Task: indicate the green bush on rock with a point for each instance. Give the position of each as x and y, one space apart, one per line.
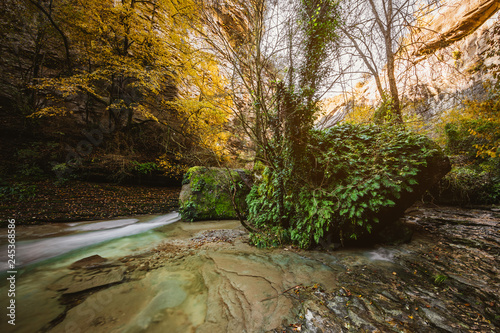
209 193
357 183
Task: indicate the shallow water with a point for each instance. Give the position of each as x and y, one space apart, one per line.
229 286
81 236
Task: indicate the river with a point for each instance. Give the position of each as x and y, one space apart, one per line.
158 274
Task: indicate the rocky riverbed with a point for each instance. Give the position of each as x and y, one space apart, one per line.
205 277
446 280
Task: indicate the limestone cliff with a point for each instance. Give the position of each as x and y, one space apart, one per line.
455 59
455 21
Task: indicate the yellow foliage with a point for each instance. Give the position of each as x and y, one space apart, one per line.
481 120
416 123
143 57
360 114
205 120
171 169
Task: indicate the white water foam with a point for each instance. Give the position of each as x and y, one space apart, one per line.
28 252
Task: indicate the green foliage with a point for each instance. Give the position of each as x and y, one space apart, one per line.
270 237
385 113
476 183
30 159
319 21
354 172
189 211
145 168
440 279
19 191
472 138
266 208
31 171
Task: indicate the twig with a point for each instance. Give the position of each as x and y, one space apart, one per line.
285 291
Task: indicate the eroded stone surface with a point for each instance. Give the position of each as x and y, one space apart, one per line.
454 21
446 280
454 60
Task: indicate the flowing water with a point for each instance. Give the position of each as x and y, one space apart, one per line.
81 235
164 275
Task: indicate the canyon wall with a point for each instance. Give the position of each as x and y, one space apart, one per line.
454 59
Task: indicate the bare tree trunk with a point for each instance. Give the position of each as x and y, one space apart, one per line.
59 30
386 29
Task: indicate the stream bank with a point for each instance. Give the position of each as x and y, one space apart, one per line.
447 279
47 201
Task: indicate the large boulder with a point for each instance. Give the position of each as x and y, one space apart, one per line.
209 193
357 184
394 230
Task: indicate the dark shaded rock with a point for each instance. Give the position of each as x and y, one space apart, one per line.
207 193
395 230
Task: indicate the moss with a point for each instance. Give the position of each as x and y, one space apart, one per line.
209 193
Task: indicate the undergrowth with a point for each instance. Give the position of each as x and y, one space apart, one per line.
351 173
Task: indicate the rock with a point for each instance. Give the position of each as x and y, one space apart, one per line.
244 289
89 262
222 235
88 279
451 24
454 59
338 306
91 281
206 193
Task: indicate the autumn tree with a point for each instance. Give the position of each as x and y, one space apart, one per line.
124 64
28 42
279 59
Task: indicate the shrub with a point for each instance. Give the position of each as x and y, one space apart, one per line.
145 168
355 173
17 191
472 138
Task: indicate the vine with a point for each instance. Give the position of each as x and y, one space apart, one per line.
355 171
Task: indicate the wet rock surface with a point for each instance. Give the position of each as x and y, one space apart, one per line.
87 279
447 279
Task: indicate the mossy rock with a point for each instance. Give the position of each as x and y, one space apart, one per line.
206 193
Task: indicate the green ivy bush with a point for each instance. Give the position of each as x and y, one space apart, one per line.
145 168
353 173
